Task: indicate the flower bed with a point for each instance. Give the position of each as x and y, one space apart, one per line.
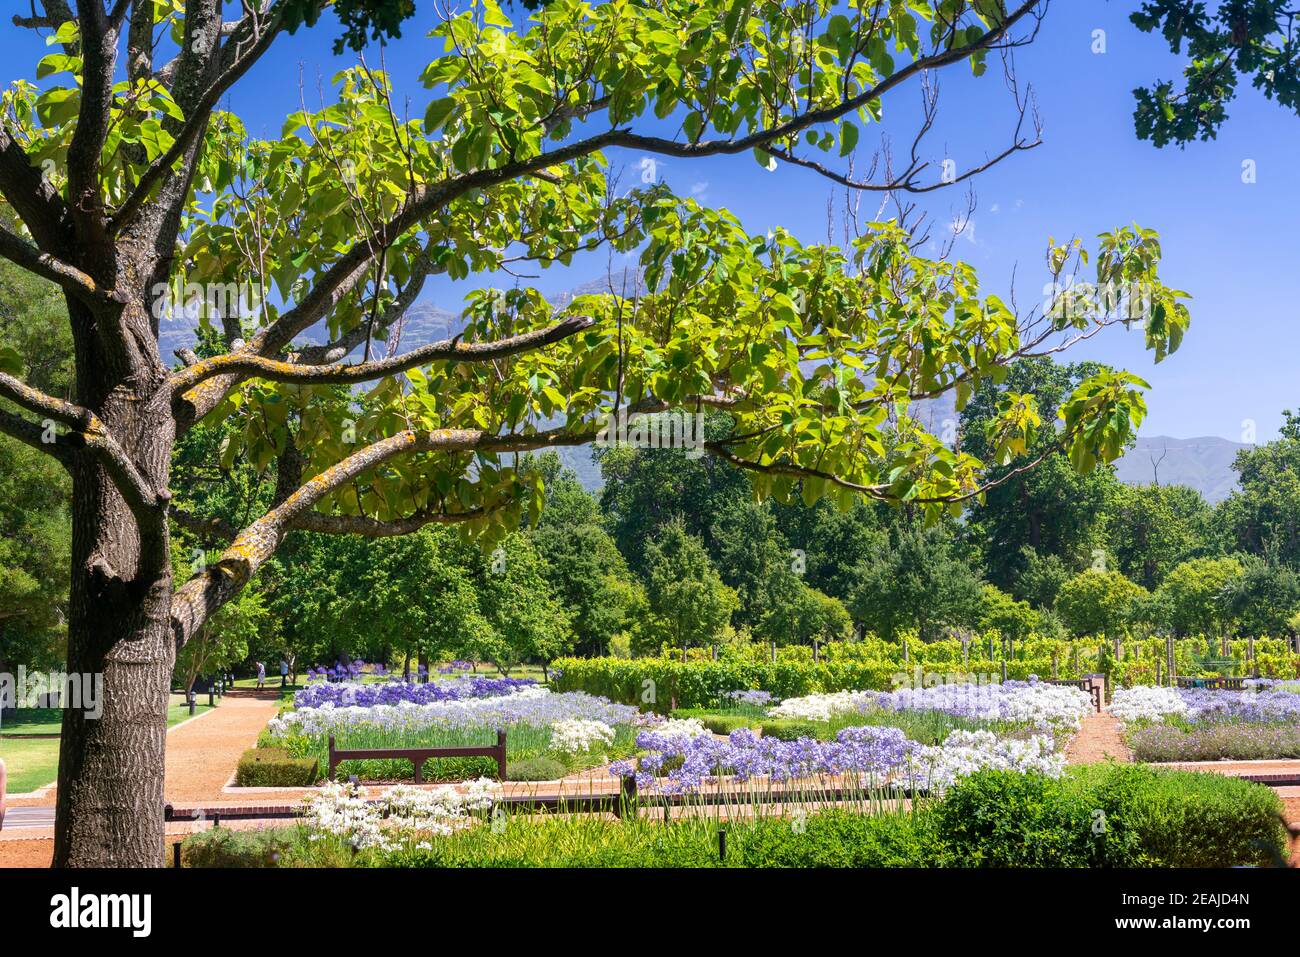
1197 724
864 759
355 694
992 818
1030 704
531 716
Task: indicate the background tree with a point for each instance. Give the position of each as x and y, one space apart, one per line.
1098 603
687 602
646 489
583 565
1152 528
415 596
834 541
1041 579
1262 516
998 610
805 616
35 539
754 559
1194 595
1263 598
152 188
919 583
527 620
1052 509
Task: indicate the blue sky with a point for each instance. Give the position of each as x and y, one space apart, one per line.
1230 244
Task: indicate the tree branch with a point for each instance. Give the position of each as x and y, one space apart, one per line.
71 279
34 435
451 350
32 196
340 278
88 432
195 124
34 400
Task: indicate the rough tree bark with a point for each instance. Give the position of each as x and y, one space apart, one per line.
110 787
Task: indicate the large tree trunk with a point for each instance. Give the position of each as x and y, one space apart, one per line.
110 787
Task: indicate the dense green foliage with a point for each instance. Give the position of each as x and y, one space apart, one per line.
1101 816
35 533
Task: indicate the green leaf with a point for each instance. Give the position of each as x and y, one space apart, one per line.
493 16
848 137
438 113
10 361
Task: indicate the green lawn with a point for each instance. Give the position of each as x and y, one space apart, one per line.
31 763
33 721
34 762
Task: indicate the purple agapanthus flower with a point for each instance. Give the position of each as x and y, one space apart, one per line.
350 694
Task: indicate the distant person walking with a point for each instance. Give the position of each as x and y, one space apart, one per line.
261 674
284 673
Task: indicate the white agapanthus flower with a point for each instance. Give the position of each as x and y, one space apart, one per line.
1047 707
682 728
578 736
965 752
337 809
823 707
1146 703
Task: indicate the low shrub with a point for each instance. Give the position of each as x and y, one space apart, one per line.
275 768
839 838
223 847
787 729
1009 819
726 723
535 769
1191 818
1111 815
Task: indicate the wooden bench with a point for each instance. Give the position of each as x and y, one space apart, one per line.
419 755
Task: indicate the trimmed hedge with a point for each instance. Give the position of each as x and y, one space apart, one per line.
275 768
788 729
1191 819
1111 815
535 769
1009 819
664 685
716 722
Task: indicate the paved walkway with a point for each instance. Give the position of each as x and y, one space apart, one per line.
202 754
201 758
1099 739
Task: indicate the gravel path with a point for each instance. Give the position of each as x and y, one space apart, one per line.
1098 739
202 754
